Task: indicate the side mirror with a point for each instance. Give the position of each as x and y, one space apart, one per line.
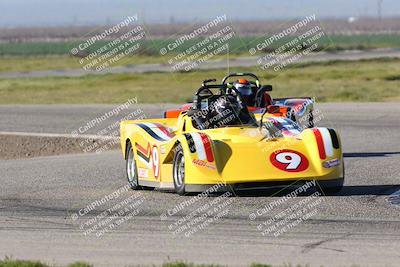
266 88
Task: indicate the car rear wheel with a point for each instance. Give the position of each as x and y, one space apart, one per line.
131 168
179 171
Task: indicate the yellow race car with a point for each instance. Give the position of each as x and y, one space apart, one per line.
219 142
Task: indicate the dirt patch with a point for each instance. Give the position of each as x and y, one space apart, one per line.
16 147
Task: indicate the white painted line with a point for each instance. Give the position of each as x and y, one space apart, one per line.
83 136
394 198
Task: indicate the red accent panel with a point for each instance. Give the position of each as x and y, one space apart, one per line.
273 109
173 113
267 99
207 147
320 143
144 150
287 132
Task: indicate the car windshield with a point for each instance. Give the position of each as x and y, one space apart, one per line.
226 112
284 126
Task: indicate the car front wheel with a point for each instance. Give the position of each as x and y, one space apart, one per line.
179 171
131 168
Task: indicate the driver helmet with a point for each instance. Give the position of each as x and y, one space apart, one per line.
222 112
245 90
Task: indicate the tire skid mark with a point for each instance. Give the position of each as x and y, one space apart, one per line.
308 247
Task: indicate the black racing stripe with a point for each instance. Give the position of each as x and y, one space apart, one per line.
190 141
150 132
335 140
140 154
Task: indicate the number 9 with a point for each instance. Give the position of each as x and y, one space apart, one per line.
156 161
293 160
289 160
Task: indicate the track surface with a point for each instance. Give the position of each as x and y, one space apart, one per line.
356 226
63 119
210 64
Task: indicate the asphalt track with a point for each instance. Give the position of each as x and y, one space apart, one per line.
210 64
359 225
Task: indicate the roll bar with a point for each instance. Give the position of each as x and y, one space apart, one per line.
241 74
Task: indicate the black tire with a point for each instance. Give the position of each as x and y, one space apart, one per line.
179 170
331 190
334 189
131 168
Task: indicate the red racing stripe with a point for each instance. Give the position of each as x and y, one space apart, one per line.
320 143
164 130
207 147
287 132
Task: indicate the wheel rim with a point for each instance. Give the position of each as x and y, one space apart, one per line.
131 167
179 170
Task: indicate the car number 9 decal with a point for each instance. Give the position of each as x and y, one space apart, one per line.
289 160
156 161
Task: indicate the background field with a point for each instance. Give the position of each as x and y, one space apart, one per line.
368 80
32 49
238 45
